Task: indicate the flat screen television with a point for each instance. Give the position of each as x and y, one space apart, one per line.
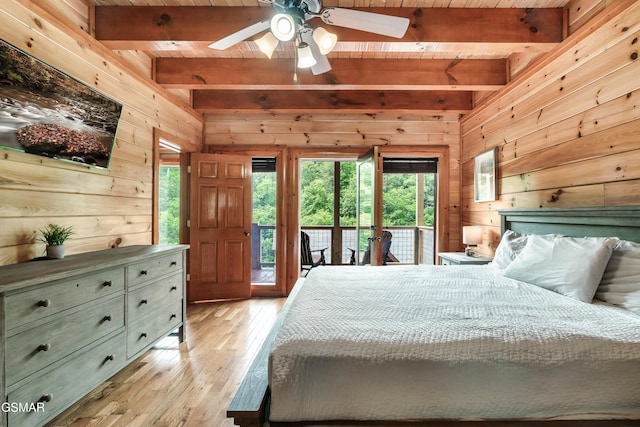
45 112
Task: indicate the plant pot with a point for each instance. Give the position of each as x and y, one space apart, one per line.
55 251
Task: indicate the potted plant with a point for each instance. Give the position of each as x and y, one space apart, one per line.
54 237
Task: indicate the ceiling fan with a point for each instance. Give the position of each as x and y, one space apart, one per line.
312 44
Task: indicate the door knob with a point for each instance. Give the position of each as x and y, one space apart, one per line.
247 233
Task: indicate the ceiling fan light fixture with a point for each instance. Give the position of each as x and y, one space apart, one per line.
283 27
325 40
305 56
267 44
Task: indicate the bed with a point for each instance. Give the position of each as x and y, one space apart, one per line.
418 359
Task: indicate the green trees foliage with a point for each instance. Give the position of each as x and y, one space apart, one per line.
169 205
429 200
399 199
399 196
264 198
316 184
348 187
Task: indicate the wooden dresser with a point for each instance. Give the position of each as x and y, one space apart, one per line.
68 325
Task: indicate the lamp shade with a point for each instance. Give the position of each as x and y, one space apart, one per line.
305 56
325 40
472 235
267 44
283 27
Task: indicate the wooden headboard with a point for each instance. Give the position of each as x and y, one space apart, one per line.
617 221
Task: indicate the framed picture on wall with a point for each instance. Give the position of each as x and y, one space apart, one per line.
45 112
484 176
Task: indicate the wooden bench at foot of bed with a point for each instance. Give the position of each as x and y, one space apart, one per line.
249 406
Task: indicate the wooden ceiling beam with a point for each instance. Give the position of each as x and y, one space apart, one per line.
346 74
294 101
156 27
285 50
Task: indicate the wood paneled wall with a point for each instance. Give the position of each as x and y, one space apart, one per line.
106 207
567 130
336 131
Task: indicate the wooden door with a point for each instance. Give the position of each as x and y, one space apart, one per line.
220 255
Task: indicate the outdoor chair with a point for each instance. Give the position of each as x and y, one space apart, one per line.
310 258
387 256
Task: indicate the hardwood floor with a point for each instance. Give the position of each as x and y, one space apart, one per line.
190 384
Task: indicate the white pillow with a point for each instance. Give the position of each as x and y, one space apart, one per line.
620 283
570 266
510 246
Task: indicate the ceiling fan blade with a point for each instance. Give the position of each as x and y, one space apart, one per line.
241 35
386 25
322 63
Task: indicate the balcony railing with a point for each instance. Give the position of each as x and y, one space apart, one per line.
263 246
410 245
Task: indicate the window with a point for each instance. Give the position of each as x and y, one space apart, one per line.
169 205
408 207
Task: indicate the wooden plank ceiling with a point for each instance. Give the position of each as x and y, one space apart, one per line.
454 53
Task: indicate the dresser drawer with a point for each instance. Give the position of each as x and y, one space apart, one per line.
60 387
49 299
146 330
153 268
38 347
143 300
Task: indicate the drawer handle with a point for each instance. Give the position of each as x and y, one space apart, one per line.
173 263
143 272
143 335
173 316
108 283
107 318
46 398
43 347
44 303
173 288
109 358
144 301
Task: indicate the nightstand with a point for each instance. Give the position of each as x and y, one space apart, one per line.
460 258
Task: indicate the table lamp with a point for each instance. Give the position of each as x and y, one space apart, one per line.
471 236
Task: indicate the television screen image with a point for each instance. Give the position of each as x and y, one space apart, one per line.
48 113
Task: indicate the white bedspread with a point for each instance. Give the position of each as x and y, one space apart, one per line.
402 342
